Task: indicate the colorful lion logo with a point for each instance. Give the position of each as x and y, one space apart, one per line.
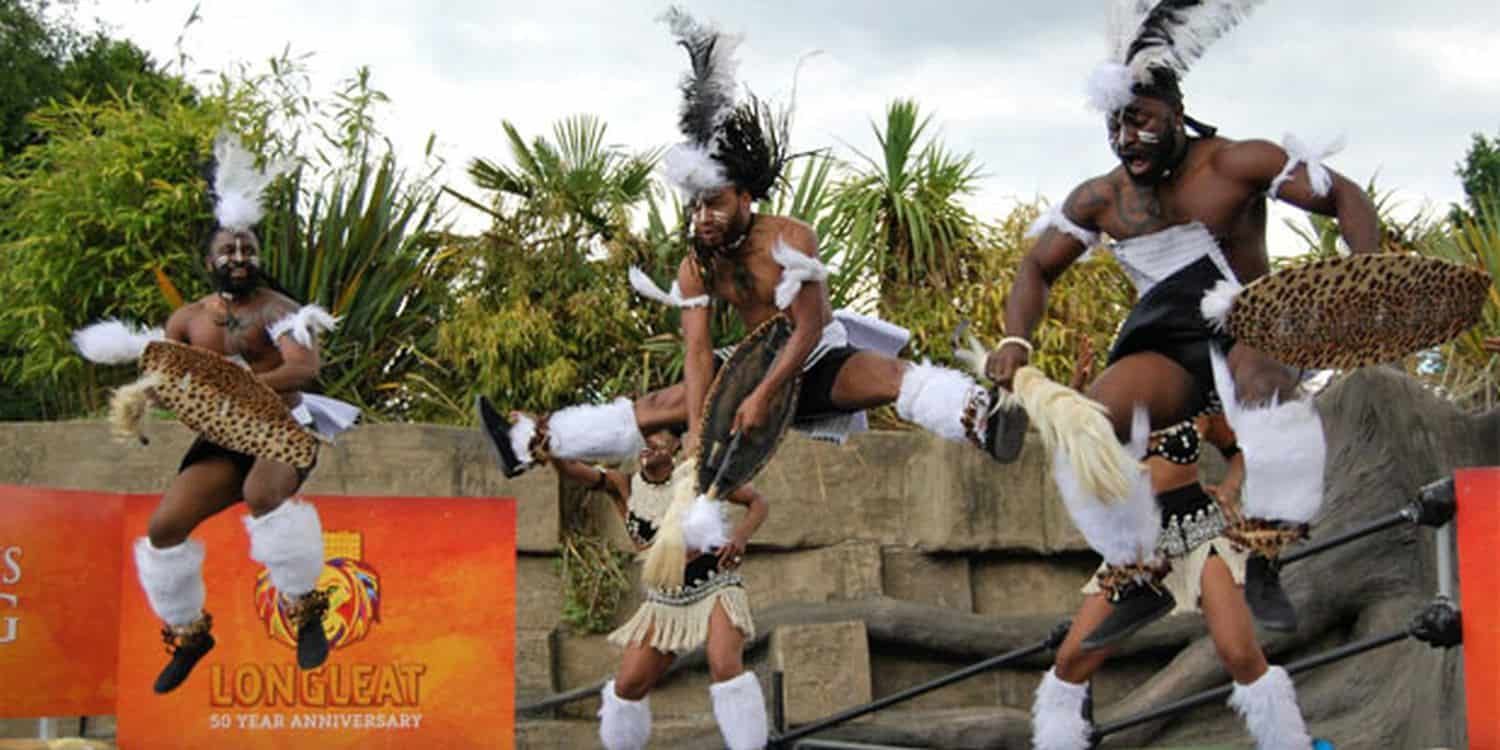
353 594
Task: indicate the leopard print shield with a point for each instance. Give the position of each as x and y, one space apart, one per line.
1349 312
745 370
226 404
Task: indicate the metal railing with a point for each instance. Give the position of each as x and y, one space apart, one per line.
1434 507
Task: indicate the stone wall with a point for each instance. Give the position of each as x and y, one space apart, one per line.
890 517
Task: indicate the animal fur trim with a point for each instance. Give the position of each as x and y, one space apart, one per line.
112 342
797 269
304 325
644 286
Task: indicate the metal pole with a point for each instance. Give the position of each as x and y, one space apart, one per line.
912 692
1219 693
837 745
1446 565
46 729
1405 515
778 701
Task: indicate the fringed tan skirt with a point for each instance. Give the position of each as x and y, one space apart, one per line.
1189 537
677 621
1186 579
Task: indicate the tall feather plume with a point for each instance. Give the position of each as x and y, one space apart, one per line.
1123 25
239 185
1175 33
708 90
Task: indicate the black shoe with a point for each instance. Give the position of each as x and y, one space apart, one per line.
1139 605
312 645
187 645
1268 601
312 642
496 429
1005 431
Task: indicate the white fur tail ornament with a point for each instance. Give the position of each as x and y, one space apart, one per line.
1218 302
304 325
127 407
112 342
796 269
1078 428
667 557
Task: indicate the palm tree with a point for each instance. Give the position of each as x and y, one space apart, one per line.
578 186
904 204
544 316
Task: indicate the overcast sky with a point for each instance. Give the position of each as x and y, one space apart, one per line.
1406 83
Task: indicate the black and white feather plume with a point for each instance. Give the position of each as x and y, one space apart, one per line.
708 89
1148 40
708 100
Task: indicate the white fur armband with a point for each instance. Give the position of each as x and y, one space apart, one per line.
1298 152
796 269
111 342
303 325
1056 219
644 286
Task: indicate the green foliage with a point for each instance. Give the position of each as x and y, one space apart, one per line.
111 196
49 61
1480 172
364 248
111 210
904 202
545 316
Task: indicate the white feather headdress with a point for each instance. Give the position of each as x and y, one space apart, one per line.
1146 39
239 185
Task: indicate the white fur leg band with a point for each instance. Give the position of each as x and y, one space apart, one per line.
740 709
623 724
172 579
937 398
594 433
1285 452
1269 708
289 542
1057 721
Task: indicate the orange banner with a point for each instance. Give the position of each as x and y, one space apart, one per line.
1478 522
422 626
59 599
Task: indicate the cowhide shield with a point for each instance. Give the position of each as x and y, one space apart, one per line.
226 404
1358 310
721 468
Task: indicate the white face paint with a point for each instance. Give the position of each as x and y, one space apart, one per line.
1150 138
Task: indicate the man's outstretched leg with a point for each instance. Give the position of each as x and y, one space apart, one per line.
944 401
1285 454
170 565
586 432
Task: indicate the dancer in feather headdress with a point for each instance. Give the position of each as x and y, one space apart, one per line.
275 339
762 266
704 605
1186 209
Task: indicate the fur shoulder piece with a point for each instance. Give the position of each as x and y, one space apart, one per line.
303 325
112 342
797 269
